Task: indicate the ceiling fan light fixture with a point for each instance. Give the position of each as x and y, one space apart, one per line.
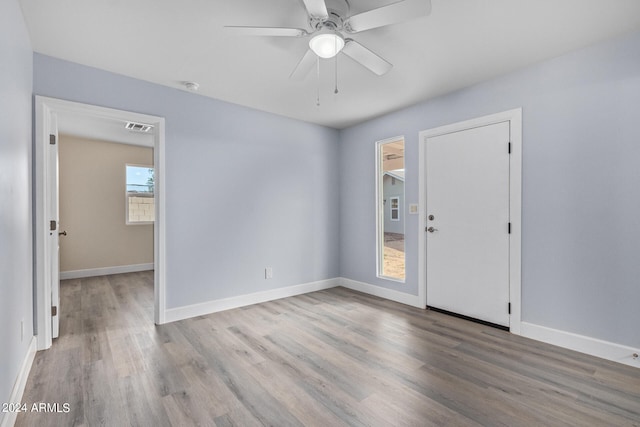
326 43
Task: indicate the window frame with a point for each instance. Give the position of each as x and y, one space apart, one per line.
380 209
126 194
397 208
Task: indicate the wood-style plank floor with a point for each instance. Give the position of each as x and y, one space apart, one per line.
329 358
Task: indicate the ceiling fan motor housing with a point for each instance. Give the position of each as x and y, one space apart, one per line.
338 11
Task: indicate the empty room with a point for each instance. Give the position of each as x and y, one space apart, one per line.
320 213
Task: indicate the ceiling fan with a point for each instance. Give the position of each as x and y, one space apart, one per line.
329 21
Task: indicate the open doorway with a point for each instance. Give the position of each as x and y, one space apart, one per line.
107 206
59 123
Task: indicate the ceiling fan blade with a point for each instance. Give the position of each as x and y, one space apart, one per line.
268 31
304 66
387 15
367 58
316 8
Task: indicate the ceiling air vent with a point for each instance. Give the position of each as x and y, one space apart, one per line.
138 127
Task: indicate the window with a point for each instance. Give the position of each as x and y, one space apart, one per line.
390 198
140 201
395 209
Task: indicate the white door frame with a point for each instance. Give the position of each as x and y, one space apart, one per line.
515 205
45 110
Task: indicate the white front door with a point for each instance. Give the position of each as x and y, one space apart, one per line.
54 226
467 207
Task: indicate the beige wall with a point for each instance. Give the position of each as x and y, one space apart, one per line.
92 206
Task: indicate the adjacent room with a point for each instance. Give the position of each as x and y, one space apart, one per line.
105 189
320 213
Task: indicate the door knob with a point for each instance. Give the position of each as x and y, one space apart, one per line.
431 229
62 233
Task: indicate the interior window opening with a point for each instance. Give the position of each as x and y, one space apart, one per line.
390 209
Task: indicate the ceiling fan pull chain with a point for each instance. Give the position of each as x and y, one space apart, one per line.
318 74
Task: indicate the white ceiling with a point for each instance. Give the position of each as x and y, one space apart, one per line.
461 43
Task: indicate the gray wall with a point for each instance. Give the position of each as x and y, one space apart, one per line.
245 189
16 273
581 186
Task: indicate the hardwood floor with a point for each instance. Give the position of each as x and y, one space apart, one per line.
329 358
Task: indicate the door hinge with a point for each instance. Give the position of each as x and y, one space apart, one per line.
52 225
509 228
54 311
509 148
509 308
52 139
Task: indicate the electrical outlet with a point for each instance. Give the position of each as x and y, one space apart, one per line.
268 273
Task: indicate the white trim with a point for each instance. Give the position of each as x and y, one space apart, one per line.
515 217
104 271
592 346
201 309
514 117
422 222
160 226
45 110
9 418
379 291
42 297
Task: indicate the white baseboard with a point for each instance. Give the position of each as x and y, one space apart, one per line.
592 346
9 418
104 271
186 312
378 291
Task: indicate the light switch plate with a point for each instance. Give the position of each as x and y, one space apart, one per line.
413 209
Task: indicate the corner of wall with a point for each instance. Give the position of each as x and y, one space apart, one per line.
379 291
